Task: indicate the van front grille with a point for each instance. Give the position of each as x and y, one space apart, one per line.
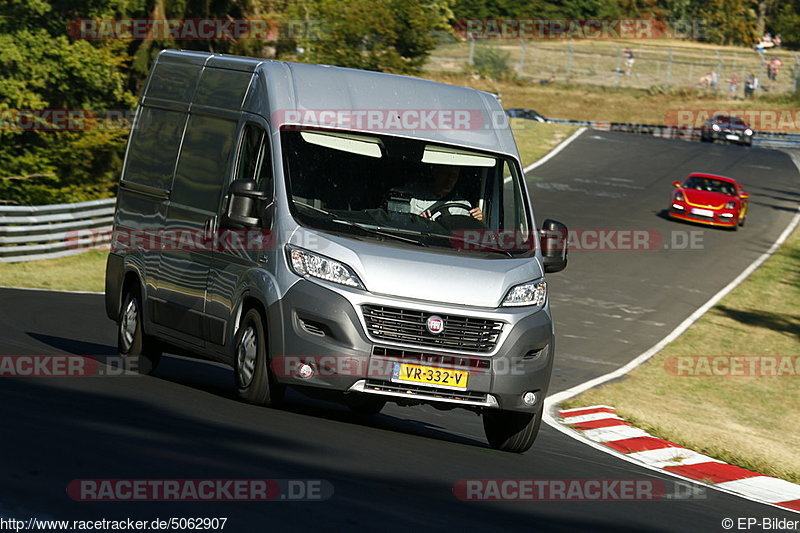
410 327
449 361
430 393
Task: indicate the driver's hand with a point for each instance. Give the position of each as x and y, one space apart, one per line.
426 214
477 214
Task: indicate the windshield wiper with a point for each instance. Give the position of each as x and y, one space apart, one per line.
482 247
452 236
362 227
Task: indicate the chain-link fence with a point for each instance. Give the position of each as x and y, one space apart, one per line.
636 65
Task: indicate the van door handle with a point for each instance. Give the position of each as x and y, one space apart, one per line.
209 228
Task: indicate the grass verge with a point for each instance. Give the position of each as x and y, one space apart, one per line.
80 272
535 139
86 272
752 422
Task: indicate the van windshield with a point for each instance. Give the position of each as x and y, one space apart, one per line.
407 192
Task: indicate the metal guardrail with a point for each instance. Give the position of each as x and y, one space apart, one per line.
28 233
767 139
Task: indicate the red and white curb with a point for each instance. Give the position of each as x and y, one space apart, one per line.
601 424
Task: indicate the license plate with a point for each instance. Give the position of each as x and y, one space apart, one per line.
702 212
430 376
732 137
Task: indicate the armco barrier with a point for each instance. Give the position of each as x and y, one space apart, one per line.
766 139
48 231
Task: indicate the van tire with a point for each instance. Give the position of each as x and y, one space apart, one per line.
140 352
364 404
254 380
510 431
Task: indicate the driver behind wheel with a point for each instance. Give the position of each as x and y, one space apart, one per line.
439 195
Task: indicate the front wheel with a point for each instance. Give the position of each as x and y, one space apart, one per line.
140 352
510 431
254 380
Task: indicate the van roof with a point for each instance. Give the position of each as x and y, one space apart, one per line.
297 93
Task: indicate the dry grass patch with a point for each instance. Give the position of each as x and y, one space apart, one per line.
753 422
535 139
81 272
580 102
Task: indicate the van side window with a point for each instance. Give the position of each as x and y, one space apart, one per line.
222 88
254 158
203 163
513 203
264 178
171 81
151 156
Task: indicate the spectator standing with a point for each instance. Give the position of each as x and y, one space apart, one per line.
750 84
772 68
734 85
629 60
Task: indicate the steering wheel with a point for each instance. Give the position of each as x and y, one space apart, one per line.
447 205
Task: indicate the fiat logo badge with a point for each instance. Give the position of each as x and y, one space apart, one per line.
435 324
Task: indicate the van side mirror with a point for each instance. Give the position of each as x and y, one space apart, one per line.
242 198
554 241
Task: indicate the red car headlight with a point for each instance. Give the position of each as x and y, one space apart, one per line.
679 197
730 205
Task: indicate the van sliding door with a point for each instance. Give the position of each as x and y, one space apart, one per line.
200 176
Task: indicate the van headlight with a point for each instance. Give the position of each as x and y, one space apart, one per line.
531 293
305 263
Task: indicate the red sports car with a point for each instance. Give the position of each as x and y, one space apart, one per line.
709 199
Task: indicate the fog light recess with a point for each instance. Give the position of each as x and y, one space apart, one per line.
305 371
530 398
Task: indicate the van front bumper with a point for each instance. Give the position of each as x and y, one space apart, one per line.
321 342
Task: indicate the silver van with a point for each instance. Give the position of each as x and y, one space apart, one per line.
361 236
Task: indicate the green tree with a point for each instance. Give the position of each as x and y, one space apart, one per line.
784 19
144 51
40 69
730 21
384 35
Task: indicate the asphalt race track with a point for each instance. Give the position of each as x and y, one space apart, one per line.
397 470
